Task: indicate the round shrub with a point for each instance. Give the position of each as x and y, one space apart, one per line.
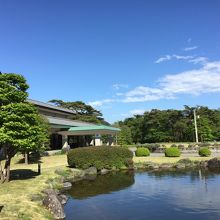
100 157
142 152
172 152
204 152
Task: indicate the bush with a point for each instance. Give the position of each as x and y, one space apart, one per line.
204 152
172 152
185 161
100 157
142 152
173 145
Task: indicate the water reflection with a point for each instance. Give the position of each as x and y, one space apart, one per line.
147 195
103 184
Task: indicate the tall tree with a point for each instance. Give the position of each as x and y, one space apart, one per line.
81 111
21 127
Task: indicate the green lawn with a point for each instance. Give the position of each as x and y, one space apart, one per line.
16 195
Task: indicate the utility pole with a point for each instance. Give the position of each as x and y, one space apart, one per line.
195 123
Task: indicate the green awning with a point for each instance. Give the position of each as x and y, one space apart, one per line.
90 130
94 127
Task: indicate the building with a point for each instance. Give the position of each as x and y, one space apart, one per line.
65 131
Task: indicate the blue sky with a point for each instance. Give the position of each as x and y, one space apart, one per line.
121 56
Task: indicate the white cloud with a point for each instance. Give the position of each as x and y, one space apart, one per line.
190 59
194 82
118 86
100 103
199 60
173 56
190 48
164 58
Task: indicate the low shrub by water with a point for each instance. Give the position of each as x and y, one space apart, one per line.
100 157
142 152
172 152
204 152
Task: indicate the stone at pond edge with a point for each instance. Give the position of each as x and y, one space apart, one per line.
203 164
67 185
180 166
166 166
52 202
104 171
75 175
214 163
63 199
91 171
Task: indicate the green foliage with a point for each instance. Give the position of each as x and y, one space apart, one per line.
83 112
174 125
172 152
142 152
204 152
21 127
100 157
12 88
186 161
124 136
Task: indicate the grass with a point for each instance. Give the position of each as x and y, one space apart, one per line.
16 195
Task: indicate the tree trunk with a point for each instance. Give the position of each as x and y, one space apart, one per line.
7 169
1 173
5 173
26 156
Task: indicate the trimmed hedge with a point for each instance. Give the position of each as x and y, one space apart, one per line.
100 157
204 152
172 152
142 152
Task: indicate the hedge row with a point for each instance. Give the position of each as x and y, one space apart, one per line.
100 157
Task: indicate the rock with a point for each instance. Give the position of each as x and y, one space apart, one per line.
75 175
91 171
54 205
60 171
214 163
104 171
166 166
1 207
180 166
67 185
153 166
203 164
63 199
77 172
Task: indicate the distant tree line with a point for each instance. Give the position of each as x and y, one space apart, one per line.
171 126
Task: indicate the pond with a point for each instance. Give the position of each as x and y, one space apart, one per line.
147 195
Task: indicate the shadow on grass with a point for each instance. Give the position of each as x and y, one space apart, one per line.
22 174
